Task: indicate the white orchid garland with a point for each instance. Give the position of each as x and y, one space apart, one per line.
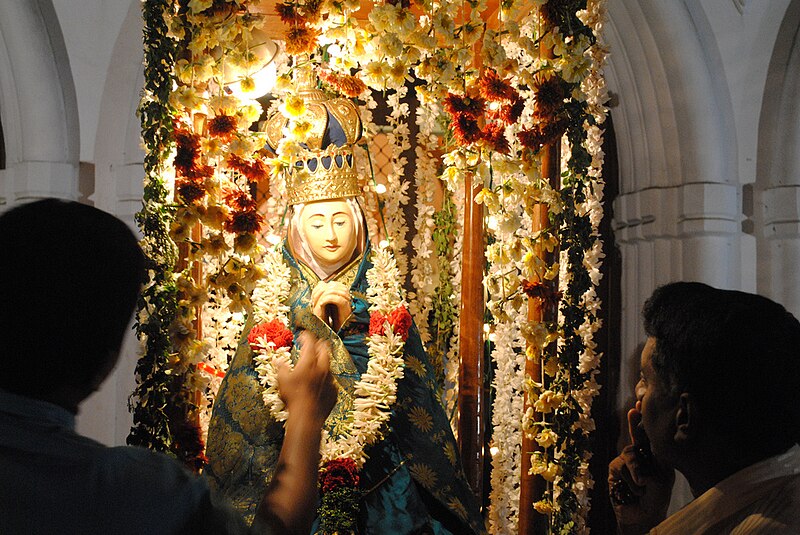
375 392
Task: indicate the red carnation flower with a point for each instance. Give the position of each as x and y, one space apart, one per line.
273 331
457 105
222 126
338 473
466 129
376 323
400 320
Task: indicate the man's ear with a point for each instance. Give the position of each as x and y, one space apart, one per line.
685 418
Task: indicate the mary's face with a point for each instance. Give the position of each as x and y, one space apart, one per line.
329 231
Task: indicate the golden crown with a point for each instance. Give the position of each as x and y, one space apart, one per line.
327 169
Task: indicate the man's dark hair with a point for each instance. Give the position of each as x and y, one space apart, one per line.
71 275
737 353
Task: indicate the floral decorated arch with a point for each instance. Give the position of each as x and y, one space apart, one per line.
508 102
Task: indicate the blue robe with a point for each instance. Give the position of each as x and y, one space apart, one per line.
412 481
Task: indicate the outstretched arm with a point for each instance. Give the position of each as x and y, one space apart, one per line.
290 502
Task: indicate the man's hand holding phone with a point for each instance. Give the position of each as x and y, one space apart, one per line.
639 486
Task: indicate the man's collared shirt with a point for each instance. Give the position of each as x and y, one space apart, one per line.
53 480
762 499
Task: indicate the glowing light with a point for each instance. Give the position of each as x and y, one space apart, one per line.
273 239
259 78
491 223
380 189
494 450
384 243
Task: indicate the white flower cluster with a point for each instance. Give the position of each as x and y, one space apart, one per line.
271 292
424 262
396 196
385 287
377 388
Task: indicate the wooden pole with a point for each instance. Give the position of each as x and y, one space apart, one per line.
532 487
471 397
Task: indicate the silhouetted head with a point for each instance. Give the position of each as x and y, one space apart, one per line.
71 275
737 355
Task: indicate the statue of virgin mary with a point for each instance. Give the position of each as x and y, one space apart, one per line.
412 481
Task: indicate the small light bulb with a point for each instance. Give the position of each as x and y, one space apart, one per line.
380 189
491 223
494 450
273 239
384 243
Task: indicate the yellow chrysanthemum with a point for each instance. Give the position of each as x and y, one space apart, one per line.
293 107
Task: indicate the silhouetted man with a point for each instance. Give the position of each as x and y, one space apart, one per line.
719 401
71 275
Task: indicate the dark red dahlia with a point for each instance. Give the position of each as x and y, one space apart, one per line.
246 221
494 136
222 126
550 91
457 105
493 88
253 170
189 190
301 40
465 129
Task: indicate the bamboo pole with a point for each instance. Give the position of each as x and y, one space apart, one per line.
471 396
532 487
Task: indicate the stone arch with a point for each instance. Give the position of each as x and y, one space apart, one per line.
118 154
678 215
38 106
119 176
777 194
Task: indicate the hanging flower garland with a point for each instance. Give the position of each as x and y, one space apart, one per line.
375 392
210 52
498 116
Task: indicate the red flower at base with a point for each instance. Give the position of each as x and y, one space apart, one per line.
400 320
338 473
273 331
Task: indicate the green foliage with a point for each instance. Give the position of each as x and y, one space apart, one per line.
443 310
339 510
159 403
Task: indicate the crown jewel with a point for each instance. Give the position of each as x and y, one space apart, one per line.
327 168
